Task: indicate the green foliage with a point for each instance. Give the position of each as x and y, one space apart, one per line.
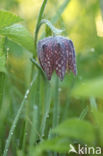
2 63
2 55
17 118
101 5
60 10
20 35
8 18
98 116
44 118
2 79
15 32
2 68
89 88
78 129
58 144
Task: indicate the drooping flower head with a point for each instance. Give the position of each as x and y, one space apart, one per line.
57 53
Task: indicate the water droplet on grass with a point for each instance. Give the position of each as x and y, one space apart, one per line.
47 116
8 49
27 92
35 107
26 133
25 97
92 50
59 89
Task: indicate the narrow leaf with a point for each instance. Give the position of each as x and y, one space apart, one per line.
2 67
83 113
2 79
101 5
2 55
98 119
59 11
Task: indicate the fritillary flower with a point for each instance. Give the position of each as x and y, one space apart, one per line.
57 53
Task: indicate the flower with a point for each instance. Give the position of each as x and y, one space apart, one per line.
57 53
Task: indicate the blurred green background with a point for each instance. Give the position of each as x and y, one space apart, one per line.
82 21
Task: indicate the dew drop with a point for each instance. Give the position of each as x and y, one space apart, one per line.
6 150
8 49
59 89
26 133
92 50
27 92
47 116
35 107
43 135
25 96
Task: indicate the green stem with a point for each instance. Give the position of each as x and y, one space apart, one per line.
35 124
38 21
26 125
50 26
46 109
56 106
56 103
65 112
34 132
2 83
39 68
17 118
2 68
36 31
37 101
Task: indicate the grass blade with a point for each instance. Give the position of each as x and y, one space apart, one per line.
83 113
56 103
101 6
17 118
93 104
60 11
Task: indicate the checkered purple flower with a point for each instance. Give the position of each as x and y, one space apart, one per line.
57 53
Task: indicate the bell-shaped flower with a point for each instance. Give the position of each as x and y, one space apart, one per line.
57 53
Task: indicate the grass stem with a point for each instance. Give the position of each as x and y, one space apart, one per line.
56 103
46 108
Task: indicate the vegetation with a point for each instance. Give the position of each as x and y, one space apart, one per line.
40 117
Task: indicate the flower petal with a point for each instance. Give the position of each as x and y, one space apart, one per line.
59 60
71 65
57 53
46 58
